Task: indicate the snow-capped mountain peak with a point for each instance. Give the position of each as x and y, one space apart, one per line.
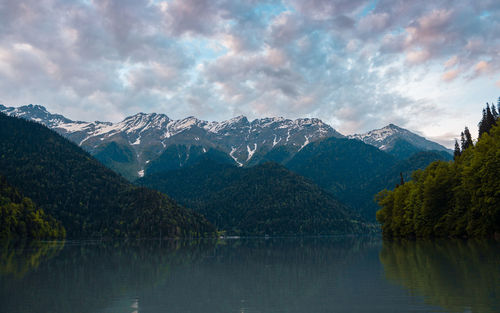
36 113
386 137
149 134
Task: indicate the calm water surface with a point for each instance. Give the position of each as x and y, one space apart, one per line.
340 274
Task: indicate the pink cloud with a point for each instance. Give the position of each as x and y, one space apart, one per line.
417 56
451 62
482 67
450 75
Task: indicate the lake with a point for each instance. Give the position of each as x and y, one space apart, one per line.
328 274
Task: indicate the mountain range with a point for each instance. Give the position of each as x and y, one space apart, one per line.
301 177
73 188
148 142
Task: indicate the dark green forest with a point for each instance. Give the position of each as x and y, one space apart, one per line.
354 172
119 158
88 199
458 198
178 156
267 199
20 218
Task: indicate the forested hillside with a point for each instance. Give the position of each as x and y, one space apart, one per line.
355 172
177 156
20 218
88 198
458 198
266 199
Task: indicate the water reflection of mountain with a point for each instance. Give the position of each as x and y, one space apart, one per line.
274 275
189 276
86 277
457 275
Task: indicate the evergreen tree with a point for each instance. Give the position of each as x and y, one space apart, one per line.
457 198
462 141
468 138
482 124
488 120
457 151
494 111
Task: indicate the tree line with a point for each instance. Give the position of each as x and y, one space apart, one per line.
457 198
21 218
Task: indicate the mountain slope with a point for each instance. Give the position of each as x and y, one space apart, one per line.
265 199
396 141
149 135
88 198
354 171
178 156
21 219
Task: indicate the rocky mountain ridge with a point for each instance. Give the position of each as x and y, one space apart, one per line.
145 136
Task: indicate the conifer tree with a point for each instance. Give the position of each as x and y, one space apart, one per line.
457 151
490 117
468 138
494 111
449 198
482 124
488 120
462 141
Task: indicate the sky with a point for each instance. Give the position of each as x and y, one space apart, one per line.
429 66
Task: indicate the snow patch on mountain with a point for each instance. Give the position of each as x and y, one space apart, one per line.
305 143
251 152
149 134
385 138
231 154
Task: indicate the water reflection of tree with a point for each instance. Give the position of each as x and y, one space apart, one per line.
457 275
108 276
87 277
17 258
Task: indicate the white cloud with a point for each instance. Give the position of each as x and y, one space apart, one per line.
355 68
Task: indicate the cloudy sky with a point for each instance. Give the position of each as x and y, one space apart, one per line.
429 66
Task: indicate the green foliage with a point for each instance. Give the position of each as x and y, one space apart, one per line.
120 158
402 149
466 139
89 199
459 198
457 152
488 120
20 218
265 199
178 156
354 171
278 154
